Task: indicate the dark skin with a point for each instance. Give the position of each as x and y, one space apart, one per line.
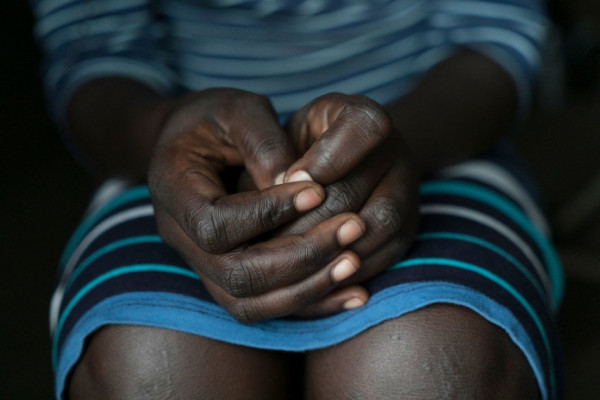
336 188
182 144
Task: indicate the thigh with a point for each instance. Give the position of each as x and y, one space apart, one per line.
137 362
438 352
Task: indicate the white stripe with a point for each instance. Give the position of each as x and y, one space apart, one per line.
109 189
155 75
361 83
310 7
260 35
264 8
319 82
84 12
46 7
109 223
325 22
499 227
535 32
488 9
102 38
99 26
353 48
218 47
498 177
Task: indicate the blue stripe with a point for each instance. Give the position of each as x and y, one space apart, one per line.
486 196
130 269
83 22
198 317
491 247
502 283
107 249
133 194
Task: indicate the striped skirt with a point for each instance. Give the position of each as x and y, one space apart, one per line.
482 244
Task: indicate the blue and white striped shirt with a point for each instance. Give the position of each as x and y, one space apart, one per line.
289 50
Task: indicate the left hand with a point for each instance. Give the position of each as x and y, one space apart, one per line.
351 148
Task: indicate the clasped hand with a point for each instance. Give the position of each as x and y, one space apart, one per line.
331 200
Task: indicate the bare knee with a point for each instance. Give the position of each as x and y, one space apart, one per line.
439 352
133 362
125 362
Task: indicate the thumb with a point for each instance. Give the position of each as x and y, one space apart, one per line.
264 145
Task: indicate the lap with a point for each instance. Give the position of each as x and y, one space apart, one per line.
441 351
478 248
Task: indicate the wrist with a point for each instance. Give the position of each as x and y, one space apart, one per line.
456 112
144 129
116 121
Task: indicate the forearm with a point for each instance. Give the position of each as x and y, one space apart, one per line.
116 122
457 111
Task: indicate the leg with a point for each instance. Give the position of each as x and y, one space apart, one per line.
438 352
135 362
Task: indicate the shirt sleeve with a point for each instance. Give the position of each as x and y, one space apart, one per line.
511 32
86 39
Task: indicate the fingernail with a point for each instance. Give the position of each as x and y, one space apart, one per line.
353 303
349 232
342 270
279 179
307 199
299 176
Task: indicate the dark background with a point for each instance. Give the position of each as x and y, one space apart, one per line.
43 193
42 196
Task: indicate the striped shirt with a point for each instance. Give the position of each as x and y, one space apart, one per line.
289 50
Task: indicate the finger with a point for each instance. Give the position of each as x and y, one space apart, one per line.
348 194
340 299
285 260
218 222
273 264
381 259
309 123
391 211
360 126
282 301
265 147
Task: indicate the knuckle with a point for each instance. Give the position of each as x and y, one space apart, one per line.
385 217
271 211
208 228
372 117
303 298
268 144
308 255
237 279
192 216
342 196
242 312
245 275
268 213
266 148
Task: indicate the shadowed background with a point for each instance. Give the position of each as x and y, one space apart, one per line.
43 193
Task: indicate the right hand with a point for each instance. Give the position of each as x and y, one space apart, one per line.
219 234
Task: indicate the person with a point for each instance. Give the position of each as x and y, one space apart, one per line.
316 194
